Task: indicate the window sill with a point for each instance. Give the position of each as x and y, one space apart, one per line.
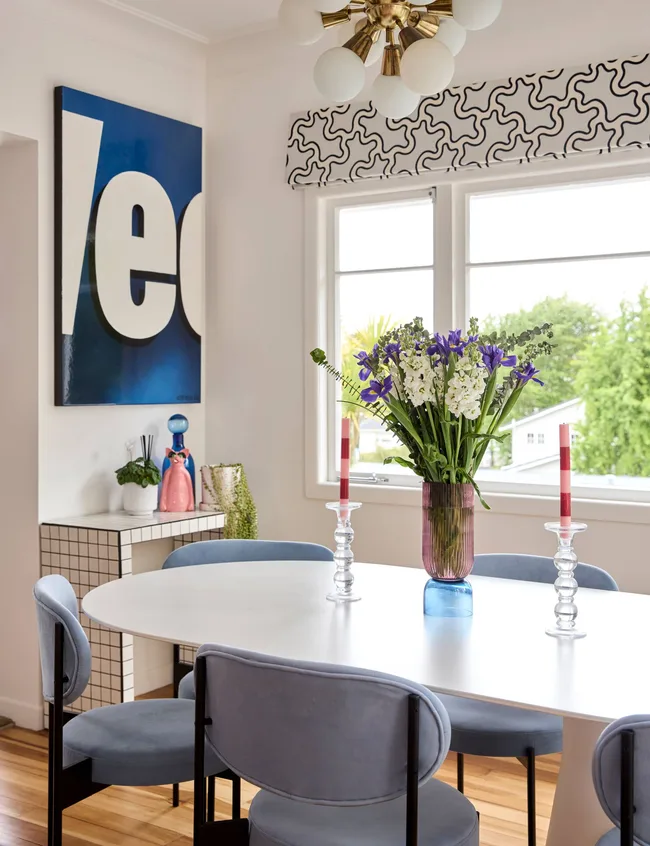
541 507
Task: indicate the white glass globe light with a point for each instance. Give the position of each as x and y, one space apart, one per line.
327 5
477 14
301 22
392 98
339 74
427 66
452 35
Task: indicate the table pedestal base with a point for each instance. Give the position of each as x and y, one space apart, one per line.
577 818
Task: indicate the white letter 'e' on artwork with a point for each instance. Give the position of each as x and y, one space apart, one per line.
81 139
118 253
190 263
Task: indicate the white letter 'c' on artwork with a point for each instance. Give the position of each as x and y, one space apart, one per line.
80 145
118 252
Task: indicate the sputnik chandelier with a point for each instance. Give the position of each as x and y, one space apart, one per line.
416 43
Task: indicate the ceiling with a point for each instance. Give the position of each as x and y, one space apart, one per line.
206 20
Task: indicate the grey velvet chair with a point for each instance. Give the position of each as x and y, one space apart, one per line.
500 731
344 757
222 552
148 742
622 780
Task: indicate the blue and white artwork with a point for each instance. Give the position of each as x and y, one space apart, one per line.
129 254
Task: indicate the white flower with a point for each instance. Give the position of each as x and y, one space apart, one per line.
419 380
465 389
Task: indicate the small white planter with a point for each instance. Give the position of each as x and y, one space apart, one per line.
139 502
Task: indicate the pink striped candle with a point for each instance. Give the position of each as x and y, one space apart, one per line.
344 495
565 475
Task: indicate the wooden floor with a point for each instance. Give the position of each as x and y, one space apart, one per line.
121 816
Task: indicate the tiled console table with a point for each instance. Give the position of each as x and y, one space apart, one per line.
96 549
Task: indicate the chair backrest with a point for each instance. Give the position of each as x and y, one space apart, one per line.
56 602
318 733
223 551
538 568
607 773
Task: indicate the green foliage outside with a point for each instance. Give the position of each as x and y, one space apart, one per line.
574 326
141 472
614 383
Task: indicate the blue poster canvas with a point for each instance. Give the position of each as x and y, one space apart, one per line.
129 254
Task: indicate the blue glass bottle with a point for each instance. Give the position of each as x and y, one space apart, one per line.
178 424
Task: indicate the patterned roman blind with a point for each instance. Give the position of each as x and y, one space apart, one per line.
597 108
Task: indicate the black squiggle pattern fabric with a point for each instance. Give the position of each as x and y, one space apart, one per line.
598 108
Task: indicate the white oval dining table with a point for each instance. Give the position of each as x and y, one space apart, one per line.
501 654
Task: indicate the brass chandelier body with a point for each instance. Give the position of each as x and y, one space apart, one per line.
411 21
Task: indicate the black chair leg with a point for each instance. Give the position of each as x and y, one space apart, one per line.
460 772
236 798
176 793
211 797
530 785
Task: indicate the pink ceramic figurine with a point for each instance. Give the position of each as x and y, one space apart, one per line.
177 494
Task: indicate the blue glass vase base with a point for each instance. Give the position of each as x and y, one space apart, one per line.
448 599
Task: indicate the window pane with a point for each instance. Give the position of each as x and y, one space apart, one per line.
603 284
577 220
369 305
389 235
596 379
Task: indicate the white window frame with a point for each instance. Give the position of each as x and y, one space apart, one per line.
452 193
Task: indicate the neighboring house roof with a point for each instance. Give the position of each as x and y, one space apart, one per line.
546 412
533 465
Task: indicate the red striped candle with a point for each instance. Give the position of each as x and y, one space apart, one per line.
565 475
344 495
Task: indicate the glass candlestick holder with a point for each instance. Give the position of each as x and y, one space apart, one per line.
343 557
566 586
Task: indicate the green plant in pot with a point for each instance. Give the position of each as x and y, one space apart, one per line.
139 479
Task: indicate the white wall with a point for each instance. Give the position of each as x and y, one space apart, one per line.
87 45
258 353
19 413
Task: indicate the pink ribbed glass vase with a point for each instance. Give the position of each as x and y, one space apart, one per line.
447 531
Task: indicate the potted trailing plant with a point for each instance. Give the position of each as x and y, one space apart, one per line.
445 398
225 488
140 479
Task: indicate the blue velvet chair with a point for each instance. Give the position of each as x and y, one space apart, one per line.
148 742
223 552
500 731
343 756
622 780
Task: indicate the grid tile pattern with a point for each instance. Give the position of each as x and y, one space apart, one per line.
91 556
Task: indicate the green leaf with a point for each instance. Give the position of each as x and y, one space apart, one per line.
403 462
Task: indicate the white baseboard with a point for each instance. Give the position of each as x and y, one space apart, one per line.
24 715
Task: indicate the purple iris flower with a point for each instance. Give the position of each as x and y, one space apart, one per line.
494 356
363 360
392 352
445 346
525 374
377 390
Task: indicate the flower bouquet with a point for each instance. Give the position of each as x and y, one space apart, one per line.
445 399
